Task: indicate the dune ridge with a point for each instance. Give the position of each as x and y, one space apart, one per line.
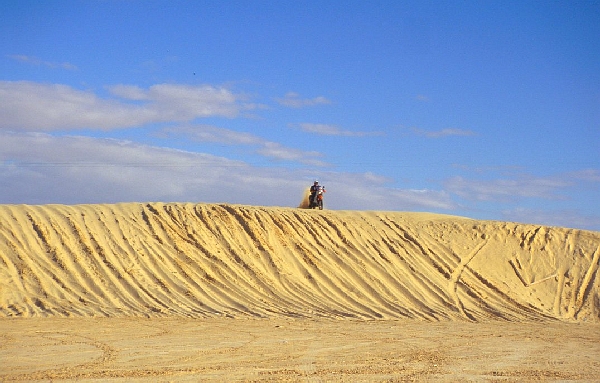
210 260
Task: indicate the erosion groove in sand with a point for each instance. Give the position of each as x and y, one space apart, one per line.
208 260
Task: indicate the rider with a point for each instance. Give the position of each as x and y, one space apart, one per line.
314 190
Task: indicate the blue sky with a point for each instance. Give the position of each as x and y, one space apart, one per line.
485 109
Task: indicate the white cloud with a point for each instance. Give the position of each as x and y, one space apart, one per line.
324 129
507 189
367 191
38 62
589 175
373 178
332 130
33 106
479 169
432 199
37 168
269 149
129 92
283 153
209 133
519 185
443 133
185 102
517 196
293 100
561 218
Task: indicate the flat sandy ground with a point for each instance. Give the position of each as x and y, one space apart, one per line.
304 350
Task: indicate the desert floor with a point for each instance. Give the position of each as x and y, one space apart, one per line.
303 350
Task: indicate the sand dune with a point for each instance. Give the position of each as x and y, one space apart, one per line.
209 260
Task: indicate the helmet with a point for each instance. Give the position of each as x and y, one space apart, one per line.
316 182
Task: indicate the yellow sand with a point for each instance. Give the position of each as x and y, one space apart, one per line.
257 265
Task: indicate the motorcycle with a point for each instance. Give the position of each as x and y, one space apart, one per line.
317 201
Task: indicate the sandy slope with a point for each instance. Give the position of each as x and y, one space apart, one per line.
203 260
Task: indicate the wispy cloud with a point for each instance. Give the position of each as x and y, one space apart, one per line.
432 199
367 191
422 97
332 130
38 168
590 175
38 62
507 189
515 184
293 100
279 152
443 133
33 106
478 169
266 148
209 133
561 218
